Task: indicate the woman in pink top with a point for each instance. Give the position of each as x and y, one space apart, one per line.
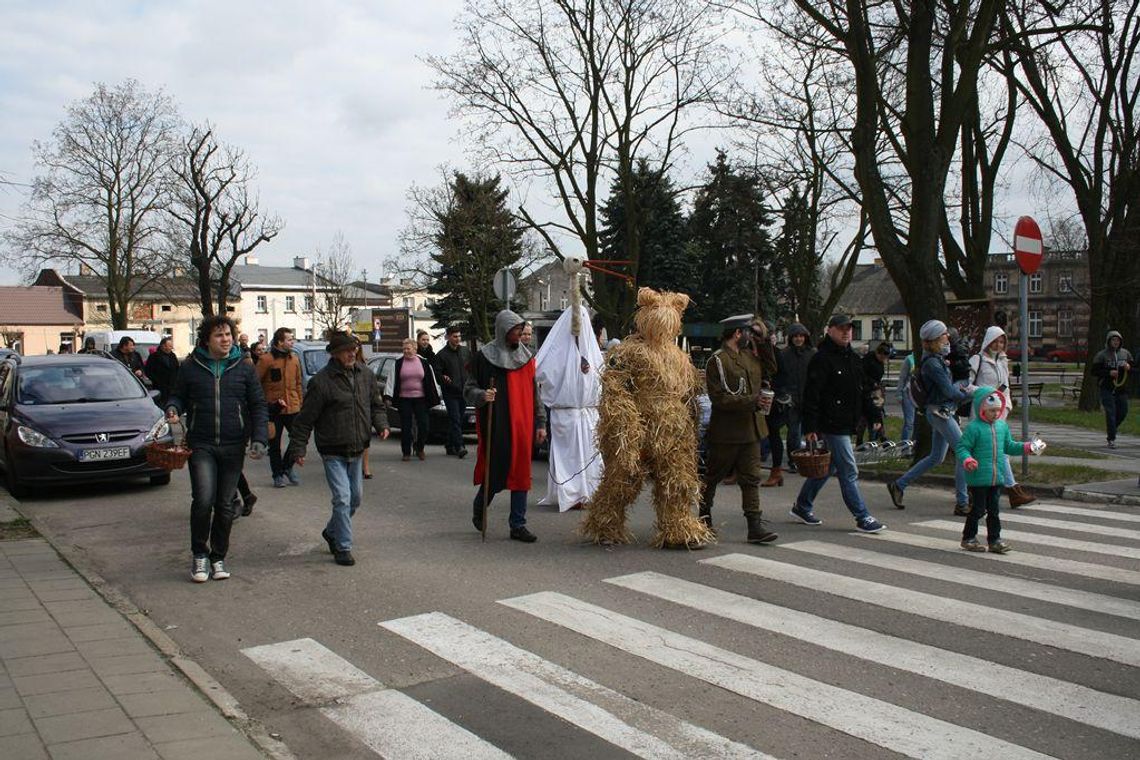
414 391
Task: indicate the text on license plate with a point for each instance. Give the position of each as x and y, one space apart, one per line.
99 455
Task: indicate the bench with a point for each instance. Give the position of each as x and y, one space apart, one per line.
1035 390
1073 390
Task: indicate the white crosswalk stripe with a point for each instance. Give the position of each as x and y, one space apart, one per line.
1044 539
1018 557
1046 592
967 614
1051 695
387 721
633 726
882 723
1071 527
1097 514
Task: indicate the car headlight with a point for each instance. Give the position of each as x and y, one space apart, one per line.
160 429
35 438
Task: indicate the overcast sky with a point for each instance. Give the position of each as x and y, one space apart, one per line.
327 98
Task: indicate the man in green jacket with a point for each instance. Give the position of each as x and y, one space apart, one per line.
734 376
342 406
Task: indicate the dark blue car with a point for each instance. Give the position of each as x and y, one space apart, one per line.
75 418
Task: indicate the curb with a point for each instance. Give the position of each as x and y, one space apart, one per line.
206 684
1096 497
1057 492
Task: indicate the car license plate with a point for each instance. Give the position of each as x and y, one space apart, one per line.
101 455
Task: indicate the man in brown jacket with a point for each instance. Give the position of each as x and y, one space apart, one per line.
280 376
734 375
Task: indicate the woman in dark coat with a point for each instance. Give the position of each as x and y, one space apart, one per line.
162 369
414 391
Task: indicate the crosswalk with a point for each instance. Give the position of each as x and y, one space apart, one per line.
1054 646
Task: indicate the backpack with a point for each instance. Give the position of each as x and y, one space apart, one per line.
916 389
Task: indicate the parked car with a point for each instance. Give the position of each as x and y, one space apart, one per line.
1066 355
145 340
75 418
384 365
313 359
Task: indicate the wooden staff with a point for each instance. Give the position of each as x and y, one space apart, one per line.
487 460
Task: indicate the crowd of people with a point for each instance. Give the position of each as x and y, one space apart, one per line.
236 400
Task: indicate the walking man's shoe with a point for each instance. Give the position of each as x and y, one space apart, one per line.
1000 547
328 537
1019 497
758 532
869 525
293 477
200 569
896 495
218 571
961 509
279 481
477 520
345 558
806 516
420 455
247 505
461 453
524 535
973 546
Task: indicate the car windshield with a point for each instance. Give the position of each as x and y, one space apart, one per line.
77 384
315 361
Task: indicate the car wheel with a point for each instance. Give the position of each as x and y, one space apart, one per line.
15 486
160 480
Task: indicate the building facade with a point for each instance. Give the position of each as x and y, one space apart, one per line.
1058 307
876 307
270 297
38 319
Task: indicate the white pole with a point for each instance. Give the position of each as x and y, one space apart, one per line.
1024 287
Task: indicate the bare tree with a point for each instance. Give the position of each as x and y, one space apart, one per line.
1076 66
574 92
100 198
217 213
336 271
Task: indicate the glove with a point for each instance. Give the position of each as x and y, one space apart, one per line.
257 450
970 464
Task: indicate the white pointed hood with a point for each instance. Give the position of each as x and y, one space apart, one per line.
559 373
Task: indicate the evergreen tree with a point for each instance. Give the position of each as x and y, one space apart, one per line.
475 236
738 264
795 249
665 262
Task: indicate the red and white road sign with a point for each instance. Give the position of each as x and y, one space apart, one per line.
1027 245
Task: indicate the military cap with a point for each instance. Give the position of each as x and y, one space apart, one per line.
739 322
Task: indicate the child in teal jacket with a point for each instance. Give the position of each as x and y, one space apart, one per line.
982 449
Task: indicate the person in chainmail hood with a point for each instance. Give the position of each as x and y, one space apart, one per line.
518 419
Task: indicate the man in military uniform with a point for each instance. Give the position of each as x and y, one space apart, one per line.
734 375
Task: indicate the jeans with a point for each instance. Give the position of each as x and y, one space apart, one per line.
413 436
907 433
214 473
346 481
843 465
1115 410
1007 478
945 436
775 443
456 407
278 465
985 504
517 517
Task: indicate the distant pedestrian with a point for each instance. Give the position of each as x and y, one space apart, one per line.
990 367
256 351
1112 365
502 375
942 400
413 392
905 401
214 377
835 396
789 388
984 450
366 455
341 408
451 363
423 345
126 353
527 337
162 369
243 344
89 346
280 375
874 364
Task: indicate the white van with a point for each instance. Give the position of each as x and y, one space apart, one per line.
144 340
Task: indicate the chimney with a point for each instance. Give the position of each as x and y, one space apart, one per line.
250 260
301 262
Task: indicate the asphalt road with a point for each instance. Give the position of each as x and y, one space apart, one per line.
846 660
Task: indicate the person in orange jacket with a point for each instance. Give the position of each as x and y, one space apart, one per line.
280 374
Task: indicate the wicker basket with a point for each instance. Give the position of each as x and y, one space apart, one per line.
812 463
168 456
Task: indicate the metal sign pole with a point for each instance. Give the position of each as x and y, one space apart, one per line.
1024 294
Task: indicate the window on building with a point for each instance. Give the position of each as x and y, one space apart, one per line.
543 302
262 304
1035 323
409 302
101 307
290 304
1035 281
1065 282
167 307
308 303
168 332
897 329
263 336
563 302
308 333
229 310
1001 283
876 329
857 329
1064 323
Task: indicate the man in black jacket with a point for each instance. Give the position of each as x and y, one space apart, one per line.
451 363
224 408
342 406
162 369
127 354
835 396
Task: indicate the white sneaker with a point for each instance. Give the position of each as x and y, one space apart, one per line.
200 570
218 571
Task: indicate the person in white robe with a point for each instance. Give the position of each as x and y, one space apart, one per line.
570 386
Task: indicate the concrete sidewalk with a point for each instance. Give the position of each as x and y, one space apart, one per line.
78 681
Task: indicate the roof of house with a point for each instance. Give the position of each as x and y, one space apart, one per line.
91 285
257 276
872 291
36 305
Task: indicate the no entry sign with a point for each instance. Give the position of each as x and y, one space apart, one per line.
1027 245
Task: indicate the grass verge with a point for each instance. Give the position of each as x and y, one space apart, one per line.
1040 473
17 529
1077 418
